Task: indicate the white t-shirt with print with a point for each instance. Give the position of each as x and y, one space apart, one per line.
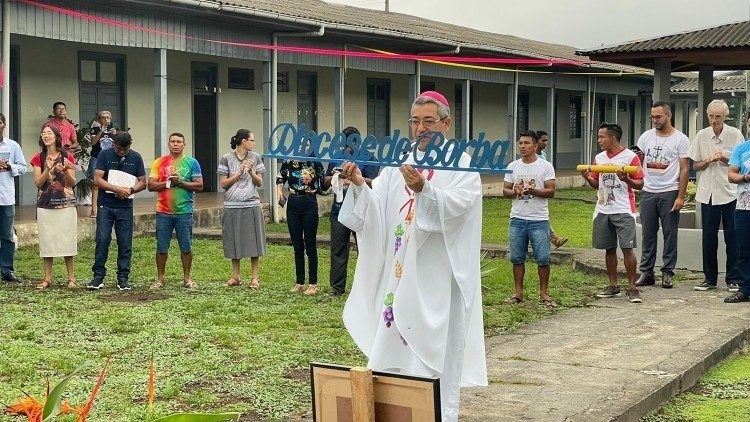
662 160
530 207
615 196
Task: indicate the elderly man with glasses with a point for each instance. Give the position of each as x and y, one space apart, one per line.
119 173
710 151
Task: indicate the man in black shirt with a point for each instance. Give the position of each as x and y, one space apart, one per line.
120 173
340 234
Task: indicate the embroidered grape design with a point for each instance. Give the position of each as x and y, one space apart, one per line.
388 312
399 232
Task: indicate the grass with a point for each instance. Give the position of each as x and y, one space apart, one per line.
216 349
571 218
722 395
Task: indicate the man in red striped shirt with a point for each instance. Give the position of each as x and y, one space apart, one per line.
614 215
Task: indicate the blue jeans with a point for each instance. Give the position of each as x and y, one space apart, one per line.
7 247
181 225
122 220
521 233
742 227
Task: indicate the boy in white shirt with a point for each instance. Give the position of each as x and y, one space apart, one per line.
530 182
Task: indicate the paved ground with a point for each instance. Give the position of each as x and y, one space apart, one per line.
611 360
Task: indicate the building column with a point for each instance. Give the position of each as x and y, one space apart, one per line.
5 106
415 82
338 98
662 79
466 109
705 93
512 115
160 102
588 110
551 109
269 184
616 108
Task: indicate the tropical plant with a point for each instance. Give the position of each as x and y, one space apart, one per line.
692 189
54 405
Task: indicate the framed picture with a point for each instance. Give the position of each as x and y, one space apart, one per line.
398 398
240 78
283 81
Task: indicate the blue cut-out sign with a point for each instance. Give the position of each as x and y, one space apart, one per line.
299 143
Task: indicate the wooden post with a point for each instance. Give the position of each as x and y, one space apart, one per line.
363 398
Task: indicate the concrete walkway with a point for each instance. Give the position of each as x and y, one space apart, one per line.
611 360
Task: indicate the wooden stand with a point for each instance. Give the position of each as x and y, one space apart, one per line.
363 396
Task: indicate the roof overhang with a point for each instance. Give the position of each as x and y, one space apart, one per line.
682 60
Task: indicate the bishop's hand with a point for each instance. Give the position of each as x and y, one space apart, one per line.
350 171
414 179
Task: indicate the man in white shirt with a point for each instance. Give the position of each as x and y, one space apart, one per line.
710 151
530 181
663 152
12 164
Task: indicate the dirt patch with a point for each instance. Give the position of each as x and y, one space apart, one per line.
196 385
251 417
302 374
133 297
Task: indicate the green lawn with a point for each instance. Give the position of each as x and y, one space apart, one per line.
570 217
722 395
216 348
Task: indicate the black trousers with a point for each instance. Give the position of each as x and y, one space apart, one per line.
302 220
340 246
711 217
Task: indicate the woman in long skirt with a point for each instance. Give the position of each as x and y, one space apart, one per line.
242 229
57 220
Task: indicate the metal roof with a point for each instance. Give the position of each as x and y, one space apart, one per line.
721 84
348 19
731 35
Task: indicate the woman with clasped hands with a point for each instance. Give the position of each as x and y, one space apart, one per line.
57 220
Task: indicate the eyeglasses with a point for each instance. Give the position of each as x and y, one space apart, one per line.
427 123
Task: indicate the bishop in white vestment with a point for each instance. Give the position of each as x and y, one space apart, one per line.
416 305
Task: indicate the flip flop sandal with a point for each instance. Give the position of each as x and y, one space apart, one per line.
255 283
72 284
156 286
233 282
189 284
43 285
514 300
551 304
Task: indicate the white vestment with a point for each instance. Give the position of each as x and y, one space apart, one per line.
416 303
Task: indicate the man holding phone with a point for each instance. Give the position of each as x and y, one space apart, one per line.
12 164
